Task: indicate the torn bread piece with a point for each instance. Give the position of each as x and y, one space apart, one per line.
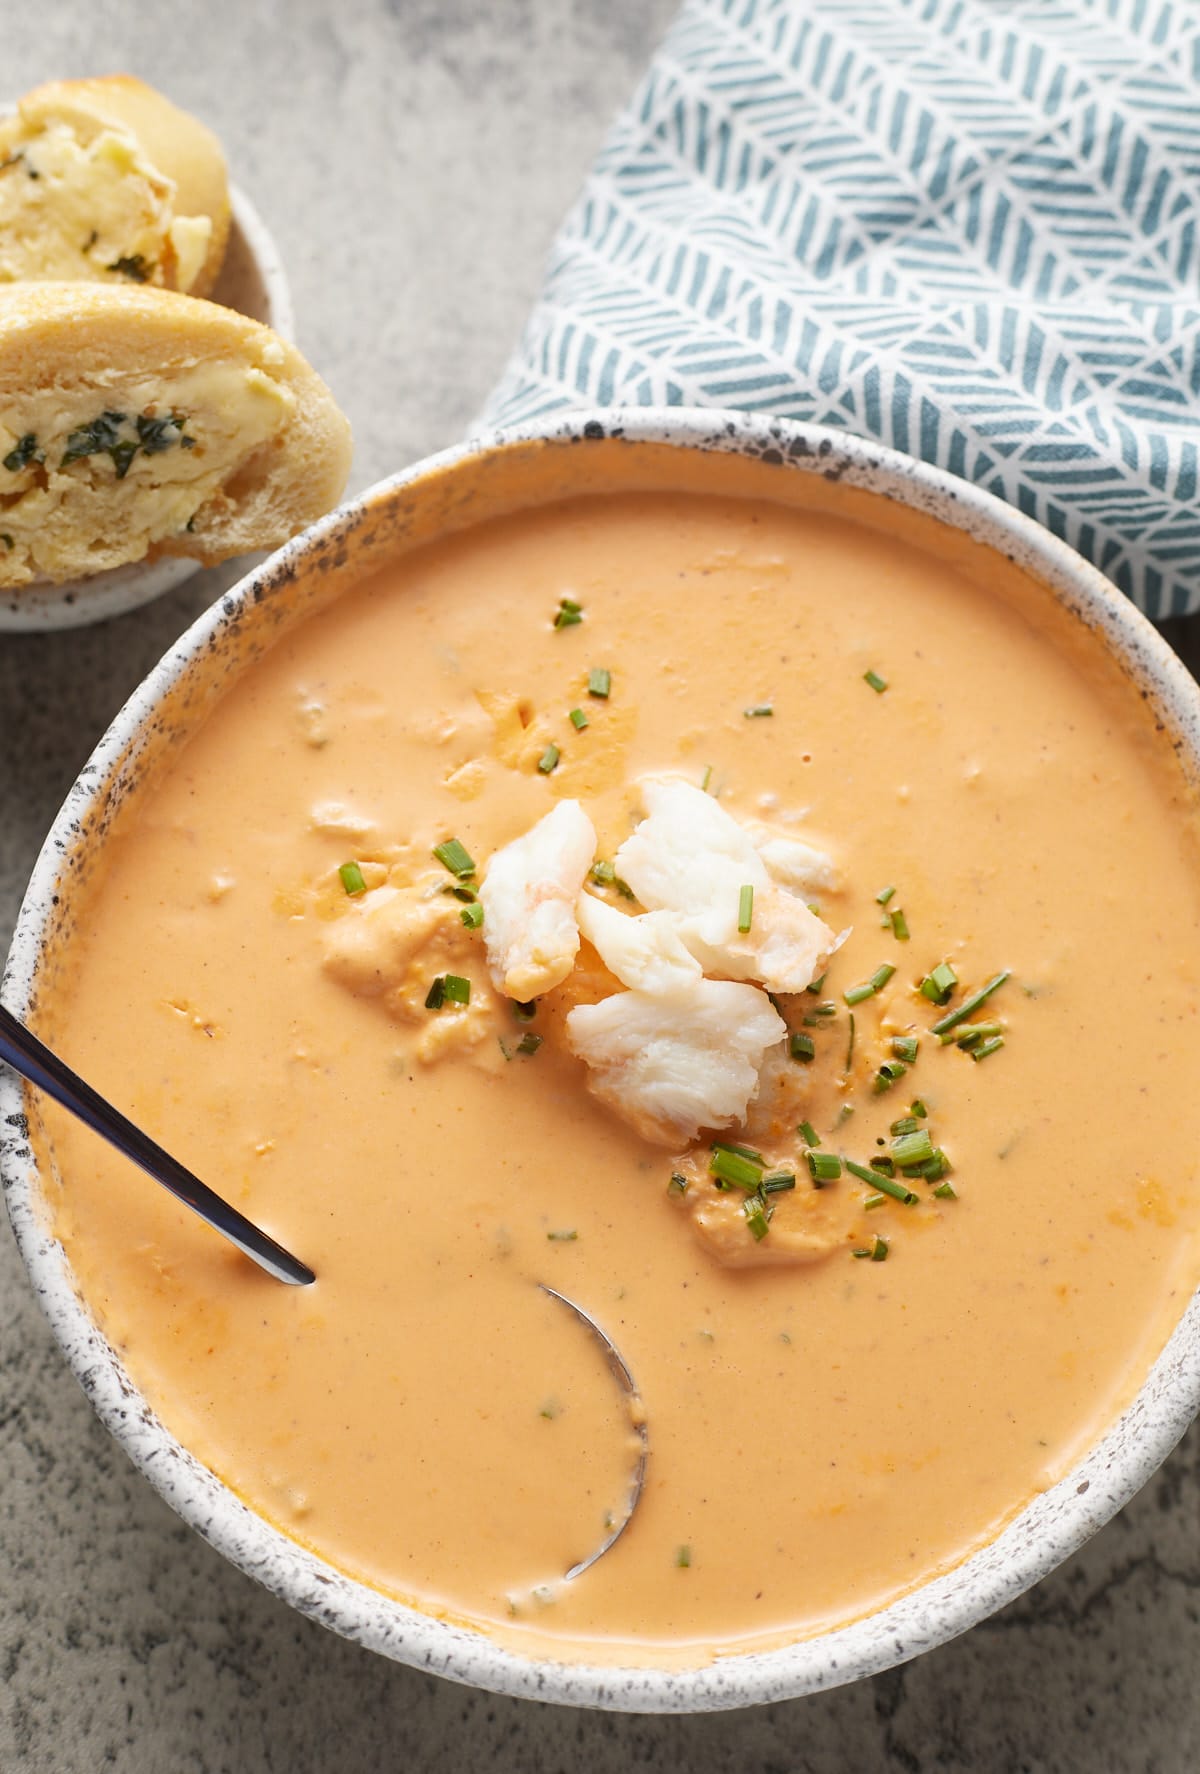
692 858
106 180
136 423
528 897
672 1063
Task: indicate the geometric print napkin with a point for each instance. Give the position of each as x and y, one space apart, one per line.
969 229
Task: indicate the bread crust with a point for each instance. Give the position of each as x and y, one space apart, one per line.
91 348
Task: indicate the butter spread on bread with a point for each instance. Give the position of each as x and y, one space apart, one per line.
135 423
106 180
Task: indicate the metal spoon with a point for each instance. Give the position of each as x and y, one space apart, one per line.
633 1399
31 1060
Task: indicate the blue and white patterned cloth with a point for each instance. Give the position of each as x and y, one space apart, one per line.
967 228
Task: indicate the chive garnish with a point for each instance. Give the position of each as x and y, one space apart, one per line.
758 711
706 778
683 1557
919 1108
912 1148
898 1191
882 897
992 1046
568 1235
817 986
466 894
352 878
568 613
870 1201
453 855
937 1167
808 1133
745 909
906 1124
938 985
970 1005
678 1184
905 1047
436 996
899 925
549 760
529 1043
878 684
946 1192
457 989
885 1166
524 1013
735 1167
877 1252
889 1073
604 874
742 1151
472 916
779 1182
823 1167
849 1058
869 987
972 1034
801 1047
578 719
599 682
758 1216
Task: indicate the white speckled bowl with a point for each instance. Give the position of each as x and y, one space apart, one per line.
446 493
254 282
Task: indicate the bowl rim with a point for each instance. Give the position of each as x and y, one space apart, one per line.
1054 1524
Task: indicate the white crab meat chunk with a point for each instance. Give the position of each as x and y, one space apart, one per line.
690 857
528 898
792 864
645 953
673 1063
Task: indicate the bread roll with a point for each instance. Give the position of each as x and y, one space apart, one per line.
136 423
106 180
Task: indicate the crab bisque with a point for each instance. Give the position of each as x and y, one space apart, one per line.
846 1389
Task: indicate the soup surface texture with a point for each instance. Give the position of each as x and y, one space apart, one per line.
823 1434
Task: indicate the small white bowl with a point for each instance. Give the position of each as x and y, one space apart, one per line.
253 281
438 496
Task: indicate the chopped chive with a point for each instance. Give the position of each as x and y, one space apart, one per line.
742 1151
758 711
889 1073
549 760
912 1148
568 1235
899 925
504 1046
877 1252
779 1182
437 994
885 1166
946 1192
906 1124
896 1190
568 613
992 1046
972 1034
817 986
869 987
745 909
472 916
603 873
732 1167
824 1009
599 682
870 1201
970 1005
801 1047
529 1043
526 1012
578 719
846 1110
352 879
882 897
808 1133
878 684
467 895
453 855
849 1058
457 989
937 1167
678 1184
683 1557
938 985
919 1108
905 1047
758 1217
823 1167
706 778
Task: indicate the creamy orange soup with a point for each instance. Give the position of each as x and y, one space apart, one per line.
824 1434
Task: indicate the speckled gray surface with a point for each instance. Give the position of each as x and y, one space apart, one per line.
412 166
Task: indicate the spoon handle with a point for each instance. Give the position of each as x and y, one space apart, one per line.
28 1057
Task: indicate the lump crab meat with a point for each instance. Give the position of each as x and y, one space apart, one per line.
528 898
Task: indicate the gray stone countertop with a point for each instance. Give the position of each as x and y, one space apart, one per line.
412 158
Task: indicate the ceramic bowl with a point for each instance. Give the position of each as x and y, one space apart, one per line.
445 493
253 281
